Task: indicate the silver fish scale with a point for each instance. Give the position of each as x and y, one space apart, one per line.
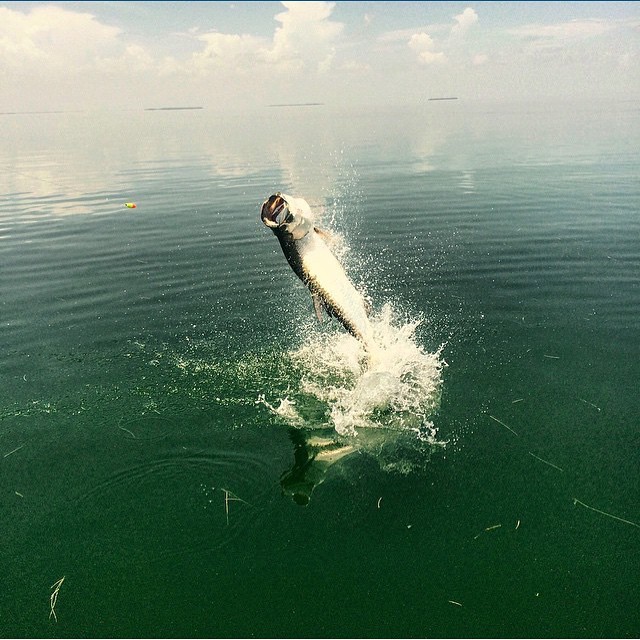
326 277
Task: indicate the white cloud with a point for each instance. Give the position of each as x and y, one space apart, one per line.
540 36
228 51
355 66
51 38
624 61
402 35
464 21
169 66
62 55
134 59
423 45
306 37
427 49
304 40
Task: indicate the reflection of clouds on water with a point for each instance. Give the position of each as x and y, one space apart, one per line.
78 171
38 181
303 149
94 161
305 145
431 137
468 181
49 195
423 149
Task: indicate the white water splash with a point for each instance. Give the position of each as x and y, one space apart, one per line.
396 391
285 410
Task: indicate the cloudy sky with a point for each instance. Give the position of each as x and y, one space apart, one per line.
232 55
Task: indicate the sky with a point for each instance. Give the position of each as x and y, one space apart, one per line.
234 55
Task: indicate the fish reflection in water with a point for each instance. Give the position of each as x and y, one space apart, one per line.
313 456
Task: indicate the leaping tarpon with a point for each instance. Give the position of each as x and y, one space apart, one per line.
307 252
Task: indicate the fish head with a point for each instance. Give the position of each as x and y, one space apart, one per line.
286 215
275 211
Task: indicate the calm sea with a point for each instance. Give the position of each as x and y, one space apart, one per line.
196 456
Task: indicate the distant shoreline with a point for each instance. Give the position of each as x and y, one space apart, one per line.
452 98
172 108
298 104
34 113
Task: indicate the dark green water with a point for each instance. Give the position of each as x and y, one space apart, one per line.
141 349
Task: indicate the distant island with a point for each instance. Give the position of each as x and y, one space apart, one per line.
172 108
298 104
432 99
33 113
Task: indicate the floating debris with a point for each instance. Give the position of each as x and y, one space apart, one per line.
230 497
591 404
454 602
6 455
503 424
545 461
491 528
130 205
379 501
127 431
53 599
604 513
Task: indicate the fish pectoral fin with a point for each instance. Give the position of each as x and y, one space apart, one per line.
326 236
318 305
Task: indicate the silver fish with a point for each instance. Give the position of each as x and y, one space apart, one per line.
312 260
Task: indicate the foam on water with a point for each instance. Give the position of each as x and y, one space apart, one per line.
286 409
382 404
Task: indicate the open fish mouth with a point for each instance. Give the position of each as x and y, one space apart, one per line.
275 211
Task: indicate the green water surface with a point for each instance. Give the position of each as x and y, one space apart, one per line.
137 464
